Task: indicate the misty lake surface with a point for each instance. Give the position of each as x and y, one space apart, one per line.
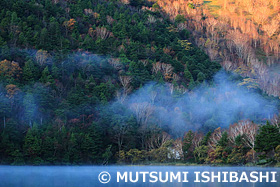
87 176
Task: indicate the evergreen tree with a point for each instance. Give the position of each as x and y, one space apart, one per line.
48 150
95 134
46 76
32 146
268 138
55 71
206 138
73 149
238 140
200 77
188 75
223 142
187 144
29 71
44 39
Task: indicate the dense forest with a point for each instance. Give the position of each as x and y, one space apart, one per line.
103 82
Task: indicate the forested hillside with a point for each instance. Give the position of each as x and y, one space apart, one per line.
242 35
98 82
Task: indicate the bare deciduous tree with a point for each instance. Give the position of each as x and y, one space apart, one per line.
197 139
276 121
156 67
143 112
247 130
157 140
125 82
116 63
151 19
42 57
102 32
120 131
110 20
215 137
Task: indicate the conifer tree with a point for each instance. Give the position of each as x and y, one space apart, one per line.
29 71
268 138
32 146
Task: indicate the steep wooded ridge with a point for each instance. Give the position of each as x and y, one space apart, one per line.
243 35
98 82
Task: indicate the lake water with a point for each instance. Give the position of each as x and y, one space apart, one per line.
87 176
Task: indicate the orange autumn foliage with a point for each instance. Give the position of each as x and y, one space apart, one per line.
9 69
12 90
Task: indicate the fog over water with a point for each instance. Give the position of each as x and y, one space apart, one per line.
87 176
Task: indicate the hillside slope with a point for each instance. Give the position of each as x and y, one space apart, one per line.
242 35
98 82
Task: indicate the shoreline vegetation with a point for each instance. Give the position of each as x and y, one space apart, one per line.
158 164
